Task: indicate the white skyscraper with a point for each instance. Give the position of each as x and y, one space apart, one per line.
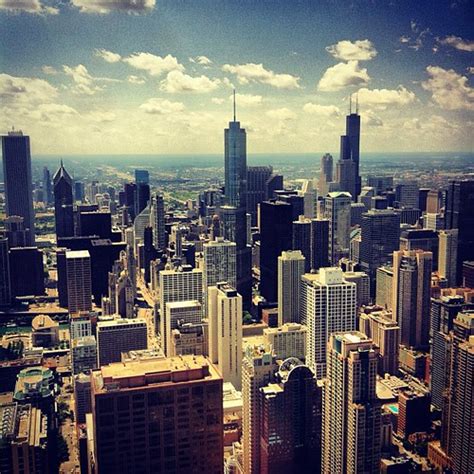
79 284
338 212
351 410
182 284
328 305
219 263
157 221
225 331
291 265
448 254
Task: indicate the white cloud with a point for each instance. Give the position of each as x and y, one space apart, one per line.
108 56
202 60
246 100
360 50
176 81
383 98
25 90
108 6
101 116
154 65
457 43
282 114
50 70
84 82
217 100
324 110
28 6
52 112
136 79
161 106
343 75
370 119
449 89
252 72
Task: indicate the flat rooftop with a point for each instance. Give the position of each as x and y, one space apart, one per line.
77 254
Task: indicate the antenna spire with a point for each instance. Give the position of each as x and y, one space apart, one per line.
234 105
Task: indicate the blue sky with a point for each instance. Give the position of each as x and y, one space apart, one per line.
146 76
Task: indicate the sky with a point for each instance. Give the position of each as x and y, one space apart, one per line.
156 76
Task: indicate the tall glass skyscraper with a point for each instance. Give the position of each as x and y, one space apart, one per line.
18 182
63 203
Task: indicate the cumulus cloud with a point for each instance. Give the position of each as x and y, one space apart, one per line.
252 72
457 43
101 116
108 56
177 81
28 6
360 50
25 90
217 100
84 82
154 65
283 114
324 110
343 75
370 119
202 60
246 100
108 6
50 70
161 106
52 112
449 89
136 79
383 98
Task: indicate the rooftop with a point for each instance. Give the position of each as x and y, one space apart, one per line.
43 321
77 254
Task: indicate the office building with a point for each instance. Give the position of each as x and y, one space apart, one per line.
325 174
190 338
274 183
275 237
291 416
117 336
97 223
142 177
448 256
44 331
361 279
407 194
257 177
384 287
380 237
175 314
30 258
310 199
80 324
421 239
15 232
83 355
79 283
63 203
320 243
411 296
225 331
220 263
380 183
82 396
258 368
18 180
5 285
157 221
413 412
291 265
158 416
142 197
303 239
433 221
351 410
328 305
288 340
338 212
47 188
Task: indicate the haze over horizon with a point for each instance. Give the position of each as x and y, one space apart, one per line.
152 77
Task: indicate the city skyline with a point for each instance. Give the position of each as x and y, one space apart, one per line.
165 86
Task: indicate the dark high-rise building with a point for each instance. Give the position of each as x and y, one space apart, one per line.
459 215
162 416
26 271
157 220
130 197
47 188
257 177
320 243
142 177
302 240
291 420
468 274
422 198
62 276
276 218
79 191
15 232
143 196
381 184
274 183
63 203
380 237
296 201
97 223
424 239
18 180
5 287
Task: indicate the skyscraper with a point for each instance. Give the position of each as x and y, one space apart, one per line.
257 177
320 243
275 237
79 284
157 221
225 331
47 188
219 263
325 174
351 410
291 265
158 416
328 305
5 287
338 212
459 214
380 237
18 180
142 177
411 296
303 239
447 257
63 203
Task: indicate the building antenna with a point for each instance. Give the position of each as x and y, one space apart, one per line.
234 105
